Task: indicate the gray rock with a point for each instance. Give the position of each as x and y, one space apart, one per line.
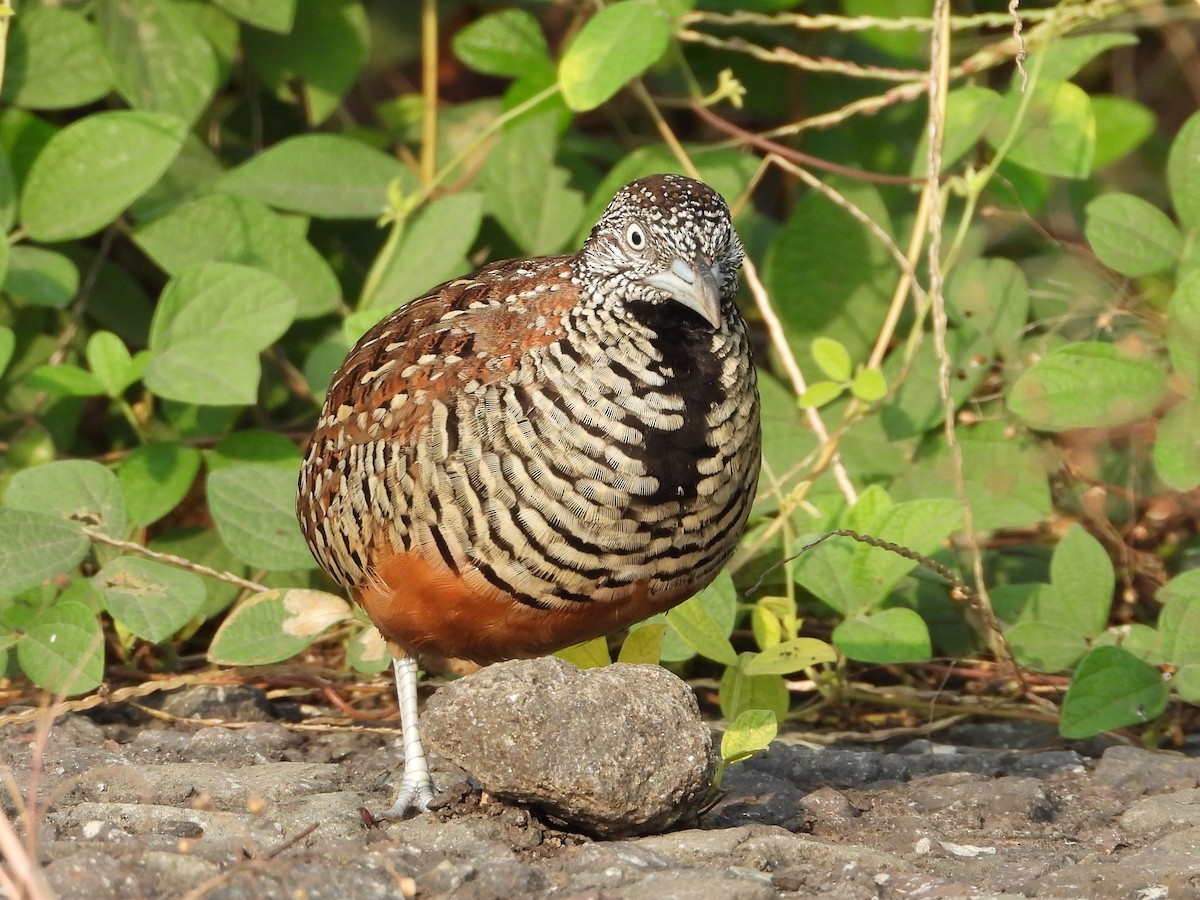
464 881
1155 816
1048 762
756 797
698 886
617 751
218 743
217 787
232 703
93 875
1142 772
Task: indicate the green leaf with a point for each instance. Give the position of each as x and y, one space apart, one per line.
111 363
233 229
1187 682
152 600
507 43
902 44
1179 622
591 654
254 506
192 173
367 652
888 636
644 644
1082 579
791 656
155 478
253 633
63 650
990 298
34 547
832 358
1111 689
853 577
1057 134
1132 236
323 53
219 29
807 259
1086 385
8 200
8 342
322 175
1141 640
65 380
700 631
1005 479
273 15
526 192
94 168
820 393
40 277
869 385
1177 446
205 547
1122 125
161 60
969 109
433 249
739 692
210 325
1183 328
1183 174
1066 56
78 490
719 600
1046 646
54 60
751 732
617 44
254 446
766 625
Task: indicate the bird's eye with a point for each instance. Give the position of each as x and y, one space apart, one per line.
635 237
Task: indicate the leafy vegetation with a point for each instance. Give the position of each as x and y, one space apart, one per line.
207 201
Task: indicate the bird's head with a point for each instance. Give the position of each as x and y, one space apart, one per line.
663 239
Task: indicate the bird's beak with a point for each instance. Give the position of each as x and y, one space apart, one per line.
697 289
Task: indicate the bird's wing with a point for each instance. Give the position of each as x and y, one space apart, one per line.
463 334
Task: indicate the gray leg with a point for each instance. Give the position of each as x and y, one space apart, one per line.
416 788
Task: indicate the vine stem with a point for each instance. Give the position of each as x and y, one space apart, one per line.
939 84
429 90
94 534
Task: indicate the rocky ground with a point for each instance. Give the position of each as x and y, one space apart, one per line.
138 806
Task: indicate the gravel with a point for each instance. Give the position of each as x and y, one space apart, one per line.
134 806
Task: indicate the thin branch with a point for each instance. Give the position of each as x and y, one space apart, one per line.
429 90
172 560
796 156
788 57
779 341
939 86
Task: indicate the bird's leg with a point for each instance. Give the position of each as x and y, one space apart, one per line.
416 788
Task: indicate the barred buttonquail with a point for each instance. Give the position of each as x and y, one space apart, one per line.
544 451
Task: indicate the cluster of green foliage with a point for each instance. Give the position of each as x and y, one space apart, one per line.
207 201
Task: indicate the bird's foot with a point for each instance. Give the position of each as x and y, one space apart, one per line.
416 795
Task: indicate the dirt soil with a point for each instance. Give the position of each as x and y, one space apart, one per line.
136 806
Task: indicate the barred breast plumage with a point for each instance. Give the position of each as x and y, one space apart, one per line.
546 450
